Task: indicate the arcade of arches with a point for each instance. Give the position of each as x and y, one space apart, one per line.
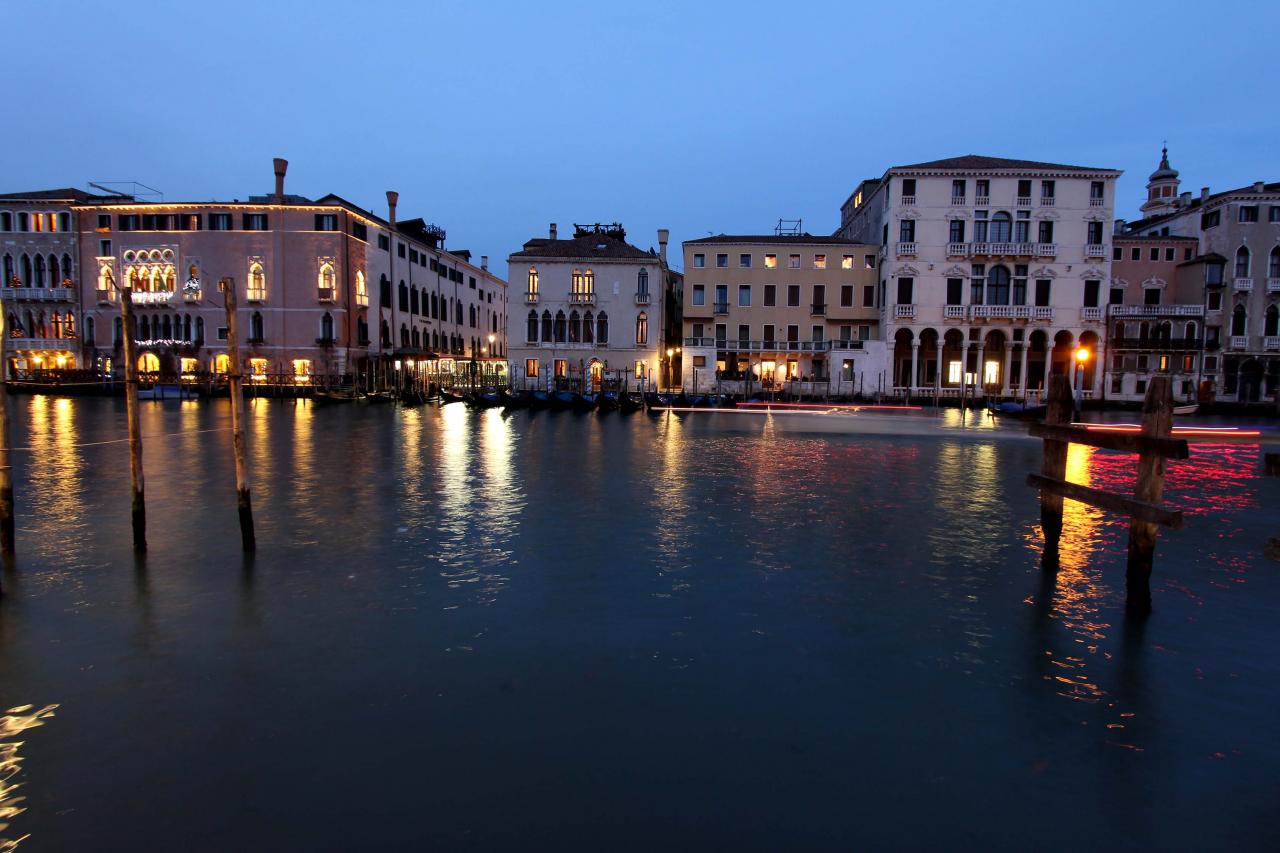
991 362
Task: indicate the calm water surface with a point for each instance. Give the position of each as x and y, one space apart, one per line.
465 630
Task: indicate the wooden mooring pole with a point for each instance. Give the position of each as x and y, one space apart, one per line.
7 545
1054 465
1157 422
243 502
131 409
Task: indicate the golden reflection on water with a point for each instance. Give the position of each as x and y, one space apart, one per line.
306 470
258 420
55 469
14 722
671 508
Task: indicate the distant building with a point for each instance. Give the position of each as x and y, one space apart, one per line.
592 312
991 270
1237 263
793 312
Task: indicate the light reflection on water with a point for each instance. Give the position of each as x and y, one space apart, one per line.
14 722
650 592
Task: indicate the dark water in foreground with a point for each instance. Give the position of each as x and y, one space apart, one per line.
469 631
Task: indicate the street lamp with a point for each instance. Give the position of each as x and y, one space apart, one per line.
670 352
1082 358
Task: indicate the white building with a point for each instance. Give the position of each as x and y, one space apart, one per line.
991 271
592 310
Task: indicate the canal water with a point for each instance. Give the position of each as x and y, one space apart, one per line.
470 630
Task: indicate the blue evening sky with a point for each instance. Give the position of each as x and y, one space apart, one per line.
494 119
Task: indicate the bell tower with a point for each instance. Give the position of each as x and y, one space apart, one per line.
1162 188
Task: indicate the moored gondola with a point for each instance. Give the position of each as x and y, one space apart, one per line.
486 399
629 402
539 400
655 400
515 399
607 401
447 397
563 399
585 402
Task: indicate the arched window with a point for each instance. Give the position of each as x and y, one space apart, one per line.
362 290
55 322
148 362
471 314
417 340
144 329
26 270
413 300
1120 331
39 278
546 326
435 340
1273 264
90 331
326 327
1143 331
404 336
10 277
531 333
998 285
384 292
68 272
1239 321
325 283
117 332
106 283
1191 331
583 283
575 327
384 334
199 339
404 297
1242 262
1163 331
255 328
435 307
257 289
560 327
533 281
602 328
642 282
457 314
1271 321
1000 224
642 329
588 328
55 272
167 325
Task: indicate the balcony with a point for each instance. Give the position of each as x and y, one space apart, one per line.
1242 283
41 344
722 307
1097 202
325 294
191 296
152 297
326 342
999 312
39 294
1238 342
642 297
907 249
1090 315
1024 201
1273 285
582 298
818 309
982 201
909 200
531 297
1046 201
955 312
1157 310
1041 312
1046 250
907 312
256 295
957 250
1158 344
957 201
850 344
1271 342
1095 250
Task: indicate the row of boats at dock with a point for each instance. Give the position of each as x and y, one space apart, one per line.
602 401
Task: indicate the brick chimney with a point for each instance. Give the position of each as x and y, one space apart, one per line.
1204 193
553 231
392 198
663 234
484 262
281 166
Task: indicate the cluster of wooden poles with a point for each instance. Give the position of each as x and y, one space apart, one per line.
235 379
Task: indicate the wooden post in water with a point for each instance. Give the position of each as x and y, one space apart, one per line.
1157 422
6 473
243 502
1055 466
131 410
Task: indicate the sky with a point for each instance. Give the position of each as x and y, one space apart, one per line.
494 119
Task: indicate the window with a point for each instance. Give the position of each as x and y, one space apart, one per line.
846 296
255 328
955 291
326 222
819 262
1242 262
1273 263
1092 291
770 295
1135 254
908 187
257 288
1212 219
1000 227
384 242
998 285
1094 237
1117 253
1020 286
770 262
815 334
1239 321
1095 192
602 328
1117 295
1248 213
957 231
1046 230
793 333
1215 300
793 262
1155 252
906 231
1042 292
819 304
583 283
793 295
982 188
869 296
642 329
722 298
744 333
1047 189
1213 274
722 261
980 226
699 260
532 282
744 260
1024 190
1168 253
846 262
325 283
905 286
699 294
642 282
957 192
253 221
360 231
400 250
768 333
1273 214
744 296
104 248
403 293
869 262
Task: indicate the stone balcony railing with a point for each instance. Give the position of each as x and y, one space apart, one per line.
909 200
1243 283
1273 285
1095 250
582 298
957 201
982 201
1041 312
39 294
1157 310
642 297
1271 342
41 344
1097 202
904 311
1238 342
1046 201
907 249
531 297
1090 314
1023 201
955 312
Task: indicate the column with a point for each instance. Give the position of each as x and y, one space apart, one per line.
937 379
980 373
1005 387
1048 369
915 366
1022 369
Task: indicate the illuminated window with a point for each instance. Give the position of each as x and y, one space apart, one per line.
584 283
257 289
106 284
258 369
530 367
639 370
533 281
953 372
819 262
846 262
991 373
302 371
562 368
362 289
221 363
189 366
325 282
642 329
148 363
770 262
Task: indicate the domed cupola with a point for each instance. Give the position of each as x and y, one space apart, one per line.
1162 187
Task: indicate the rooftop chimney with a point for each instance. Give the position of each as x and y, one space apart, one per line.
663 234
1204 193
553 231
281 166
1258 186
1184 199
392 198
484 262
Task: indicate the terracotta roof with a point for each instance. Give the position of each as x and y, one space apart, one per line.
587 246
1195 204
978 162
776 239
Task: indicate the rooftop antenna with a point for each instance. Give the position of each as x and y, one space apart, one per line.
789 228
136 189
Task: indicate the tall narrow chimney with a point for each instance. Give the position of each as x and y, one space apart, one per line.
663 234
1204 193
553 231
484 262
281 166
392 198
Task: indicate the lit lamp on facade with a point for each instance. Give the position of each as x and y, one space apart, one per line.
62 361
1082 358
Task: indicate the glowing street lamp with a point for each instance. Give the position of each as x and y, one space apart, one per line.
1082 358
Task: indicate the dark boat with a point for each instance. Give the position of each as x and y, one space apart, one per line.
332 398
630 402
377 398
1016 410
586 402
515 399
447 397
563 399
409 399
608 401
655 401
486 399
539 400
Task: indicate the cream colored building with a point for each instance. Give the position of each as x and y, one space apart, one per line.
793 312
